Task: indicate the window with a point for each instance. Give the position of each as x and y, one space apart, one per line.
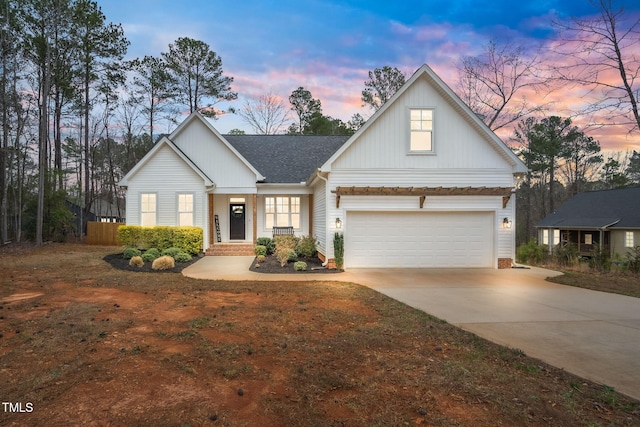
148 209
556 237
185 209
628 239
282 212
421 130
588 239
545 237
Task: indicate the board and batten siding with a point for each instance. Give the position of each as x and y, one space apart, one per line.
457 143
215 159
166 175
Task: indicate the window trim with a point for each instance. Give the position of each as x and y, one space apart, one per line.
629 239
290 212
154 211
192 211
410 131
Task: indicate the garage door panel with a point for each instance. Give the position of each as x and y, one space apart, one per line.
419 239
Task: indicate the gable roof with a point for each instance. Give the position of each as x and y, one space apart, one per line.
615 209
165 142
426 72
197 116
286 158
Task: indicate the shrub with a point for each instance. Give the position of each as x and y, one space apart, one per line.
150 254
130 253
188 239
267 242
284 246
293 256
600 260
338 249
261 258
136 261
172 251
260 250
566 255
182 257
531 253
306 246
165 262
633 259
300 266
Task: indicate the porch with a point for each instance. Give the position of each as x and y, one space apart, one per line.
236 221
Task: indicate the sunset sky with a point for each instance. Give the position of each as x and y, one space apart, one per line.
328 46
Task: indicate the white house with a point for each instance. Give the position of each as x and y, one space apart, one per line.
424 183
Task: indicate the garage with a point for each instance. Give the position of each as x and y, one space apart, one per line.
419 239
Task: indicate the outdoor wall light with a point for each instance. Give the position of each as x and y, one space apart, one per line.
506 223
338 223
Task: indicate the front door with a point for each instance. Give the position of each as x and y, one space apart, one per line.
237 221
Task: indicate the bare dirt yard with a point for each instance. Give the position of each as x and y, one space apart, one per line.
83 343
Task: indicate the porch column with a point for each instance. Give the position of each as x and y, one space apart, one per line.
211 223
310 214
255 218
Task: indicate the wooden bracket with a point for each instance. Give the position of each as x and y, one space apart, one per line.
422 199
337 201
505 200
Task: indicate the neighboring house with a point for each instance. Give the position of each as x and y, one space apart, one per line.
607 219
424 183
101 211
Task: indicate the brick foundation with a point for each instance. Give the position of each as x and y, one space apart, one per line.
505 262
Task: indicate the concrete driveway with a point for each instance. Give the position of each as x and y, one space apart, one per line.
592 334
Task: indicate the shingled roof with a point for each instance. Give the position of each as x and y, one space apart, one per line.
286 158
611 209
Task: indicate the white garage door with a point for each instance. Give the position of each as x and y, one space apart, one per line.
419 239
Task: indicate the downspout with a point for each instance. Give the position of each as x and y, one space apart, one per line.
326 215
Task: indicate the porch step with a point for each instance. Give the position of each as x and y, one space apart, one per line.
230 249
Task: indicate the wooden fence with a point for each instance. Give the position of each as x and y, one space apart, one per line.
103 233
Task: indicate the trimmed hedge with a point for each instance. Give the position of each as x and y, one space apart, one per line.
188 239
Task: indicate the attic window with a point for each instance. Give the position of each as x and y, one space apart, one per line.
421 125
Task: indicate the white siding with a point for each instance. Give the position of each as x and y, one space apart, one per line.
215 159
166 175
457 144
320 215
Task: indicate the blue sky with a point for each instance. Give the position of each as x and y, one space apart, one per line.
328 46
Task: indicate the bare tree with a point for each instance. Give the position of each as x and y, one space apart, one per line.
266 114
600 54
493 84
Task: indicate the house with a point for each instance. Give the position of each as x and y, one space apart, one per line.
424 183
606 219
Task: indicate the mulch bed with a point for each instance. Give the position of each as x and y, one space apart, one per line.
119 262
272 265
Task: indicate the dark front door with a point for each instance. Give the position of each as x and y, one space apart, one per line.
236 221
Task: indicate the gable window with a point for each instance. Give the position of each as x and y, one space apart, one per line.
185 209
628 239
421 130
282 212
148 209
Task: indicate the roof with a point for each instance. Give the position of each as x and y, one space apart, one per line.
426 72
286 158
613 209
164 142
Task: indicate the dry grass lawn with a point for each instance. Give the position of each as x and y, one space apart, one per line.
86 344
